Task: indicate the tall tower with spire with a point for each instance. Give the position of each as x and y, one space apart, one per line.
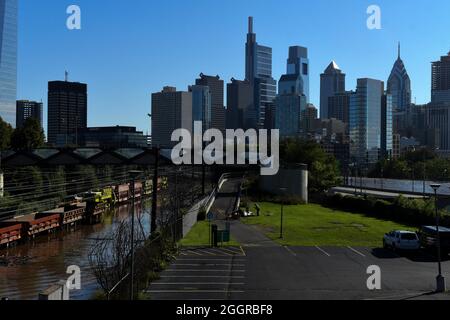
399 85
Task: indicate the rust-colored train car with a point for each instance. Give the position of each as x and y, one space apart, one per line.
33 225
10 232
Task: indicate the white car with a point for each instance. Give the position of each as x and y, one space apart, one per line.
401 240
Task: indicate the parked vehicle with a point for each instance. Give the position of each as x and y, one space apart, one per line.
428 238
401 240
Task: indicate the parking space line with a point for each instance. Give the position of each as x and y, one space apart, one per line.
209 265
191 270
243 252
199 283
323 251
290 251
356 251
194 291
204 251
205 277
193 252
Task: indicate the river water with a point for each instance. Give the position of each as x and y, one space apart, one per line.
35 266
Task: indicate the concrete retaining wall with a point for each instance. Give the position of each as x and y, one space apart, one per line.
294 180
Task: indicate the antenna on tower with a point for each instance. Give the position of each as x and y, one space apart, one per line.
66 76
399 48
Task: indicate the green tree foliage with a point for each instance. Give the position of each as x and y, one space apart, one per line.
323 168
5 134
31 136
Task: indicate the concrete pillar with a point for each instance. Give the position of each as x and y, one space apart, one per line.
304 176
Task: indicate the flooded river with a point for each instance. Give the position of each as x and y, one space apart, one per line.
29 268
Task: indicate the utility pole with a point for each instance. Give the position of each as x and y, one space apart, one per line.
155 192
440 280
134 175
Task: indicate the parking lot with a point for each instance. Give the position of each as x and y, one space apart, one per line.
203 274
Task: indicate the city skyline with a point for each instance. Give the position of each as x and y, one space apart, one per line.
129 84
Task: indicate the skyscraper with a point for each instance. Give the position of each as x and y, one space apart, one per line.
399 86
339 106
201 105
440 82
171 110
369 125
332 81
298 64
216 88
67 111
28 109
8 60
258 71
291 101
240 110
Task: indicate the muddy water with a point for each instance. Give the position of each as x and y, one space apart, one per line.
35 266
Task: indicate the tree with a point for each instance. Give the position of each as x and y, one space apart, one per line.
323 168
30 136
5 134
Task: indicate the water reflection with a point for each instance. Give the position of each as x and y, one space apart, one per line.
37 265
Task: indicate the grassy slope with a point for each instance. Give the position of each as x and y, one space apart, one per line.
314 225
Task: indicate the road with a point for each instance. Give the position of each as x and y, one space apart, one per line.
263 270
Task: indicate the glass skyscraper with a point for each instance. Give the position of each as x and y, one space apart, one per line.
8 60
370 122
258 71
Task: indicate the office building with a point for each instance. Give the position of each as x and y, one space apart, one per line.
298 64
386 127
8 60
332 81
440 82
216 89
258 71
28 109
438 120
115 137
201 106
309 120
339 106
368 112
240 109
171 110
399 86
67 110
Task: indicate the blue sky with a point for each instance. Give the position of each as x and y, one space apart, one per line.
128 49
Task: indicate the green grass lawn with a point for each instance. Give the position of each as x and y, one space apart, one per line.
199 236
314 225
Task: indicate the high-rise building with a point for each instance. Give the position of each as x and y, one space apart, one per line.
28 109
216 89
291 101
201 105
240 110
332 81
339 106
369 125
67 110
298 64
440 82
399 86
309 119
8 60
387 134
171 110
258 71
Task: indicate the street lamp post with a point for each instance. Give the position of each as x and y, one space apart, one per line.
440 280
134 174
283 191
